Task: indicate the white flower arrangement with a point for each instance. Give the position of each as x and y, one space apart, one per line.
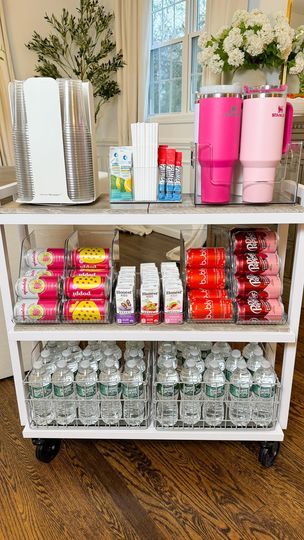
254 40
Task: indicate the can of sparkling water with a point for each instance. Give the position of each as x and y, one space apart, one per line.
33 311
265 286
91 257
256 309
87 287
38 272
206 278
254 241
206 258
44 287
263 264
211 310
208 294
86 311
104 272
45 258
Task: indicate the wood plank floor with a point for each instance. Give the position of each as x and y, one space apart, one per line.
151 490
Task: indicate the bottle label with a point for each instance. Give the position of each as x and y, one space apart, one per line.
86 391
191 389
41 391
167 390
63 391
108 390
215 391
132 392
263 391
240 392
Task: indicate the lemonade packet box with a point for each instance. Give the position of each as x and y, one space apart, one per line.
121 173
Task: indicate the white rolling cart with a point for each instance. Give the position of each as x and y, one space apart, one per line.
100 213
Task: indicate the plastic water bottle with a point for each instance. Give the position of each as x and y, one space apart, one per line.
195 354
86 388
224 348
167 389
263 395
190 392
63 394
93 345
164 358
71 361
61 345
216 354
232 362
248 350
205 348
240 395
88 355
133 394
167 347
137 355
255 360
40 391
214 393
48 360
109 389
112 352
72 344
138 344
51 346
133 352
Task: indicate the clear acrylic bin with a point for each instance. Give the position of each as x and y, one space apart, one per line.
285 185
33 404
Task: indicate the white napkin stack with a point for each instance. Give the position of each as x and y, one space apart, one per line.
145 161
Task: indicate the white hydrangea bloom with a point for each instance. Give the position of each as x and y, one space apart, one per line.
298 39
284 35
233 40
299 64
257 17
220 31
202 40
266 33
236 58
216 64
205 55
255 45
240 15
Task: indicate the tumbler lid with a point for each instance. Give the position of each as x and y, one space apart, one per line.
221 90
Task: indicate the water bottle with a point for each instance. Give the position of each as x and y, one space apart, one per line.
216 354
61 345
167 389
137 355
190 393
104 344
224 348
240 395
109 389
63 394
71 361
51 346
263 395
93 345
74 344
248 350
86 388
193 353
40 391
167 347
112 352
131 352
76 351
88 355
205 348
255 360
133 394
232 363
48 360
214 393
162 359
138 344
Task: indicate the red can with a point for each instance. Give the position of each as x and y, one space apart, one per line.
104 272
86 311
44 287
212 310
267 264
206 258
205 294
91 257
206 278
50 258
255 308
32 311
266 286
42 272
87 287
254 241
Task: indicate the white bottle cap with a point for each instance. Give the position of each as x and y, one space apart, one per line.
242 364
61 364
216 349
66 353
37 364
190 363
236 353
109 363
257 350
87 353
45 353
84 364
265 364
130 364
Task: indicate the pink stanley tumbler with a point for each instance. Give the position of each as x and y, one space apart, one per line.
266 133
220 110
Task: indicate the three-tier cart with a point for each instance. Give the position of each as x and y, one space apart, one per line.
101 214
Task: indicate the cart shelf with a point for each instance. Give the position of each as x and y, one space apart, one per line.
163 332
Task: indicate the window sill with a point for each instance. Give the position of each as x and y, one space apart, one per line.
175 118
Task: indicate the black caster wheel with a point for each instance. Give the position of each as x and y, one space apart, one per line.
46 449
268 453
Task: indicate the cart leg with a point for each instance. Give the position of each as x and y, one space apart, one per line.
268 453
46 449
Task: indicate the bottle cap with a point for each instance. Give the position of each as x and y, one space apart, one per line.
61 363
171 156
87 353
109 363
130 364
178 159
84 364
37 364
236 353
190 363
242 364
216 349
93 343
257 350
168 363
265 364
45 353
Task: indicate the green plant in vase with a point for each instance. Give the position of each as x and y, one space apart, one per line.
81 47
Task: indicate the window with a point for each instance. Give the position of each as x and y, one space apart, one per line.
175 74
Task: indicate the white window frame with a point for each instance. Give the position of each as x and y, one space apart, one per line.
186 114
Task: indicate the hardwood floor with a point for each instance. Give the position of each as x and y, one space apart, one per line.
151 490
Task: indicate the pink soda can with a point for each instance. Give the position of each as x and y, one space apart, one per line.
87 287
254 241
43 287
45 258
263 264
38 272
256 309
265 286
33 311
